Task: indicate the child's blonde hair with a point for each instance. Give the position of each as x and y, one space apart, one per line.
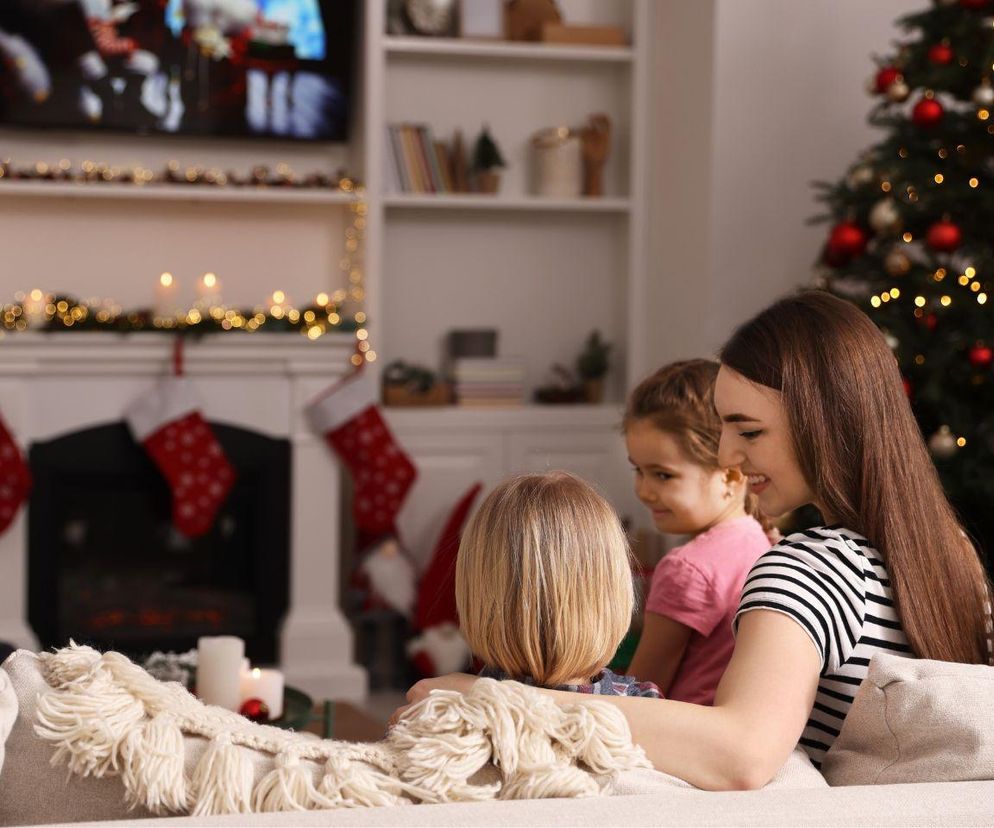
679 399
543 579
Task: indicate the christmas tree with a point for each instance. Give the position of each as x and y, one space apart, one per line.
912 241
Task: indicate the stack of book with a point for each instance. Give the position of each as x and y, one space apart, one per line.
417 163
488 382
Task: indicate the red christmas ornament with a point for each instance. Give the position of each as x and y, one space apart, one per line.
931 321
941 54
944 236
908 388
255 710
975 5
846 241
927 113
886 78
980 356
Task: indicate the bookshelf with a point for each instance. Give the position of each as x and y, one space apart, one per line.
543 271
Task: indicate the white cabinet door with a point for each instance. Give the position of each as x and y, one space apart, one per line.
448 464
596 455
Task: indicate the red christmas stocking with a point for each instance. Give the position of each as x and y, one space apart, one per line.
15 478
348 416
168 422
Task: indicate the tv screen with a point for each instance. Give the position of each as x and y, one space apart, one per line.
269 68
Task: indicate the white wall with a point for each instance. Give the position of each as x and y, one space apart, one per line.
770 98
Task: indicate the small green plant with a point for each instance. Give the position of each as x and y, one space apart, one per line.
593 363
486 155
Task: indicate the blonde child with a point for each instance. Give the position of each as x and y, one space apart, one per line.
672 433
544 586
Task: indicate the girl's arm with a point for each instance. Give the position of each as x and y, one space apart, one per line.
660 650
760 709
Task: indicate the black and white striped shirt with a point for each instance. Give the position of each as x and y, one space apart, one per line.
834 584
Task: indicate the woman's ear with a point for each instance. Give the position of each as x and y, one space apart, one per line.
733 476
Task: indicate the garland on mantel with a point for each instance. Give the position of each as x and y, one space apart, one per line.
53 313
48 312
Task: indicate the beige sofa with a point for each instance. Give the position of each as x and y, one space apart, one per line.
923 728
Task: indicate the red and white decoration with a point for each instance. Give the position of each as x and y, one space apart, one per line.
15 478
169 423
389 575
439 648
348 416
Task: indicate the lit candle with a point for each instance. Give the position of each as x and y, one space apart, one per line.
265 685
278 305
219 662
34 308
209 290
165 296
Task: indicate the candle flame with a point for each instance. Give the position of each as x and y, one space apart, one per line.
210 280
256 673
166 279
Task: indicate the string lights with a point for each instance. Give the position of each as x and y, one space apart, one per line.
340 311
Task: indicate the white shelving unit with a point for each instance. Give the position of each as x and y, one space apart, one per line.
398 47
470 201
172 192
440 262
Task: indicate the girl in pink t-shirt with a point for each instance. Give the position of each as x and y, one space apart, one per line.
672 433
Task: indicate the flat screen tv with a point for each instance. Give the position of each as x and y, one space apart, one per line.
266 68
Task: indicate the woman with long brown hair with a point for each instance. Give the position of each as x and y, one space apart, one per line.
813 411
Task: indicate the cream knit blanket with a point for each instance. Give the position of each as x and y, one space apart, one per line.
501 740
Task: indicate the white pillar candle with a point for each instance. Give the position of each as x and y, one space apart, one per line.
209 290
219 662
265 685
34 308
166 304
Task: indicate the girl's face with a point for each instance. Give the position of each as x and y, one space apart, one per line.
756 437
684 497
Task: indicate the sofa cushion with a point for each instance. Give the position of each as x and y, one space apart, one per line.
8 711
915 720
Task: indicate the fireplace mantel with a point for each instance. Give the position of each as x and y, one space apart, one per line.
53 384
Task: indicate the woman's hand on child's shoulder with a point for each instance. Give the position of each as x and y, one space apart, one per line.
461 682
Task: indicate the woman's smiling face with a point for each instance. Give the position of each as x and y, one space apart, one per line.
755 436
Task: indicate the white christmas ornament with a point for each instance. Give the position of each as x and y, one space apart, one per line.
885 217
983 95
942 444
892 341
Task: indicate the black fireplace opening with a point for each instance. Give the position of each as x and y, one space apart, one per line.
107 568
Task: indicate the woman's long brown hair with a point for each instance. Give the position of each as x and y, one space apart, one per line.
862 453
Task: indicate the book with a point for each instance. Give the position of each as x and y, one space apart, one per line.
418 184
442 158
394 171
427 142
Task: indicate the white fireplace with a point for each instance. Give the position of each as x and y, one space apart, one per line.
54 384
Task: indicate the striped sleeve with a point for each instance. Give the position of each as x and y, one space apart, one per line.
817 579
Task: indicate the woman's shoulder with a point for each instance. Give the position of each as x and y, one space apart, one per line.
834 550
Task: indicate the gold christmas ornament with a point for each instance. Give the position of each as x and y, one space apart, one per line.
863 174
897 263
898 91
